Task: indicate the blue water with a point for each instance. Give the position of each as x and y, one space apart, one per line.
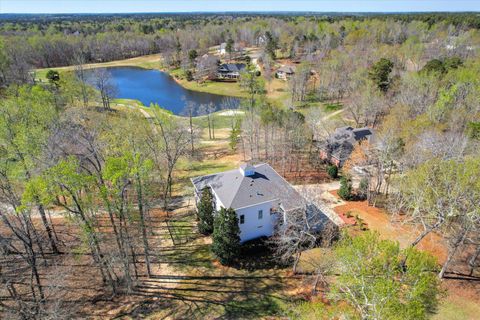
153 86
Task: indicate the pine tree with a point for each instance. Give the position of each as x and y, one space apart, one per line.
226 236
332 171
345 191
363 189
380 74
205 212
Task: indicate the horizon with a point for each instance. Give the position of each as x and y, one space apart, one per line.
31 7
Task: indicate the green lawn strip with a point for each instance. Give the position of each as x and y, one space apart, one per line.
454 307
332 107
187 168
221 119
146 62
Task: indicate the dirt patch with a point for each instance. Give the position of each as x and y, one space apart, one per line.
379 220
462 299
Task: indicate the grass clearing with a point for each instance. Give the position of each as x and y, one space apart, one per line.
332 107
152 61
455 307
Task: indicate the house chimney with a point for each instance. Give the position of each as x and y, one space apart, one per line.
247 170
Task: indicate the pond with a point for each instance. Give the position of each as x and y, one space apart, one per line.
154 86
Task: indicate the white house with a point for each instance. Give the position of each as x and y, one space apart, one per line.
258 194
222 49
285 72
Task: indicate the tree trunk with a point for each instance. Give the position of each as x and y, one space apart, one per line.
48 228
191 133
459 241
473 259
146 248
426 232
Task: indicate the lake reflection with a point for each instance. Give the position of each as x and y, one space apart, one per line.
153 86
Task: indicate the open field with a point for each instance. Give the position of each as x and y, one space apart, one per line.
148 62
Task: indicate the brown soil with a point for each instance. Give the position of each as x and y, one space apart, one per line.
377 219
388 227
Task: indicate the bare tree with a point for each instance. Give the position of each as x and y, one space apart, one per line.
79 62
104 83
174 140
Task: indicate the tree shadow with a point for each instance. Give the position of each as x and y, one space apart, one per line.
257 254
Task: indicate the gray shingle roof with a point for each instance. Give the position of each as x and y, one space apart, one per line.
231 67
342 142
287 69
237 191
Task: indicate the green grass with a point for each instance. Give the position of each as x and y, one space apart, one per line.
455 307
128 102
331 107
188 168
220 121
147 62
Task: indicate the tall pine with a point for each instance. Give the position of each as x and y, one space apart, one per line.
205 212
226 236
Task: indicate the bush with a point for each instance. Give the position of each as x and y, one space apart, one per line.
332 171
345 191
189 75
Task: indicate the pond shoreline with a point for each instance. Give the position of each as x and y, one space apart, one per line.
154 86
151 62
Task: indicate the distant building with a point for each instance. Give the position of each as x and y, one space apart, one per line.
261 40
285 72
258 194
237 49
339 146
222 49
230 71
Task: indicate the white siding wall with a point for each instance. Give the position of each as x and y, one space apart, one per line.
253 227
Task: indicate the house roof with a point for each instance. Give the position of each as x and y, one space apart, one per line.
287 69
232 67
237 191
223 45
341 143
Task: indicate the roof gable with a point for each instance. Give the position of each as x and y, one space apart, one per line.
237 191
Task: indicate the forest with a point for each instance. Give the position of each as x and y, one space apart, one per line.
96 205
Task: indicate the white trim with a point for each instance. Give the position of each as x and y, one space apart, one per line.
256 204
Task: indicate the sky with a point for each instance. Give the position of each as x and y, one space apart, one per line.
125 6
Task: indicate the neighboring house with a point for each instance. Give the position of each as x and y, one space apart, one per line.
230 70
222 49
285 72
339 146
259 195
261 40
237 49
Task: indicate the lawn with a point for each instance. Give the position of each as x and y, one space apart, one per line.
190 284
223 88
148 62
455 307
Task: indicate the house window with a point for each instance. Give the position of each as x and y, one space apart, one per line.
242 219
260 214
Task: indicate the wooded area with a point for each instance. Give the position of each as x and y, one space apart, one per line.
84 181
